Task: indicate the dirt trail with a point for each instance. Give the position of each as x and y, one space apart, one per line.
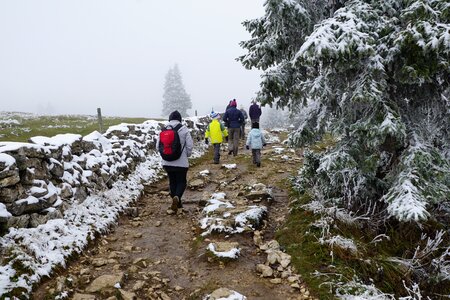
157 256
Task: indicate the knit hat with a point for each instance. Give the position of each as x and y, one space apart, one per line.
233 103
175 115
214 115
255 125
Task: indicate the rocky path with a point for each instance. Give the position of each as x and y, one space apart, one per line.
222 242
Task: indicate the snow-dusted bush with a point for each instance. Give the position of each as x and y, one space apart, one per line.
375 74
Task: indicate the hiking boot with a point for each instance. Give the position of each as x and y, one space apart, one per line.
175 201
230 151
258 165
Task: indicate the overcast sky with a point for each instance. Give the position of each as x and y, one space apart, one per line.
72 56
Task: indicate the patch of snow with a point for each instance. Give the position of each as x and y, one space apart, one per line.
230 166
28 200
123 127
214 204
233 296
14 146
9 122
254 214
233 253
355 290
57 140
4 213
205 172
7 160
98 139
278 150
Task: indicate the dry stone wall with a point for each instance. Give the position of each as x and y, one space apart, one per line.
39 179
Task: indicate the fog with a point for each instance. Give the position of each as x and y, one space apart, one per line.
70 57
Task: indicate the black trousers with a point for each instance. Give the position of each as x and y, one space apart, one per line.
177 181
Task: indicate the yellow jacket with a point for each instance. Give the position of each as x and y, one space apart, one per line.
216 132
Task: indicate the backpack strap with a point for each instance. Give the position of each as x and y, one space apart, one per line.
176 128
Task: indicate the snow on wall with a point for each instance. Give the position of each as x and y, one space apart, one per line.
95 177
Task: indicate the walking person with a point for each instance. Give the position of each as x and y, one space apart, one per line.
216 132
244 113
254 112
234 118
175 146
255 141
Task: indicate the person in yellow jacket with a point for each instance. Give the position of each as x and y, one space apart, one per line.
216 132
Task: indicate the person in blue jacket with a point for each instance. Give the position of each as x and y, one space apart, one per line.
255 141
234 118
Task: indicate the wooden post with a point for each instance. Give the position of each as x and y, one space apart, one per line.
100 121
195 112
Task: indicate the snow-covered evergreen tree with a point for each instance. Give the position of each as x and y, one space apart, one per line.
376 75
175 96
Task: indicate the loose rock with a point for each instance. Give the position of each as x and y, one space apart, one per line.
265 271
104 281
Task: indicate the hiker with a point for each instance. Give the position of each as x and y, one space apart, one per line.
255 141
175 146
234 118
216 131
254 112
244 113
227 124
229 105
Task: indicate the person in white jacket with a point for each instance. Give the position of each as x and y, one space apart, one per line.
177 169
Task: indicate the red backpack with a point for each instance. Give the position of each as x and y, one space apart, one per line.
169 143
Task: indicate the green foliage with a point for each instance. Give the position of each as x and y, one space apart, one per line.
373 73
375 76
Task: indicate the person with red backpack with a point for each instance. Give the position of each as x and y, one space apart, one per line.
175 146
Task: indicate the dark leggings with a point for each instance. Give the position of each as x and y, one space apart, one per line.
177 181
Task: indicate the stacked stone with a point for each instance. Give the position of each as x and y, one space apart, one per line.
277 267
46 175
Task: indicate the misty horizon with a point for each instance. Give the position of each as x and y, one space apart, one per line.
72 57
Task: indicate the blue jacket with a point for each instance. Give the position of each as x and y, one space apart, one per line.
255 139
233 117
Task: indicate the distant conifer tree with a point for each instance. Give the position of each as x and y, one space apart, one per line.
175 96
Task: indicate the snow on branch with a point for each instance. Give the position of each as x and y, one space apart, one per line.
346 34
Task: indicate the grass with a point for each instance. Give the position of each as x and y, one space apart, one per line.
372 263
297 237
27 125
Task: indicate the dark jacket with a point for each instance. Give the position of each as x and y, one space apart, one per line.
254 111
233 117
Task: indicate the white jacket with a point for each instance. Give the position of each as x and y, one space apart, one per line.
186 143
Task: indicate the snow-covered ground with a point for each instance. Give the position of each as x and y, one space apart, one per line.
39 250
